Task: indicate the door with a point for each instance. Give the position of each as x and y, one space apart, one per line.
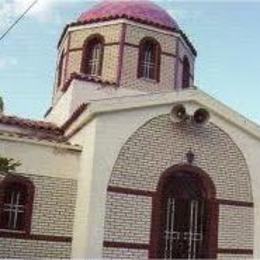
184 228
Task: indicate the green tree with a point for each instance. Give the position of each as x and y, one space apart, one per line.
1 105
8 165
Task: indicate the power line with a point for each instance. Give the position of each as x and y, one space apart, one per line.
18 20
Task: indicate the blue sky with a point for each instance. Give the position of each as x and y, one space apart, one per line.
225 33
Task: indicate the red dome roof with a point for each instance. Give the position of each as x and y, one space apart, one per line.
142 11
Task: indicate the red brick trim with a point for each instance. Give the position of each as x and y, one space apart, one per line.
236 203
231 251
67 58
121 54
236 251
162 53
177 63
130 191
125 44
125 245
25 236
147 193
75 49
81 48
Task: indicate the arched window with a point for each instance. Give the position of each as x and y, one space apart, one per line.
60 69
184 216
16 198
149 59
186 73
92 58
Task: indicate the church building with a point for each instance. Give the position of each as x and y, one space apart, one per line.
131 160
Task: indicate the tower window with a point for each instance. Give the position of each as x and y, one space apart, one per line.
184 223
149 59
186 73
93 56
16 205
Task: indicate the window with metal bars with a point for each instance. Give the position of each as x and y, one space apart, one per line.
184 222
149 59
16 198
92 59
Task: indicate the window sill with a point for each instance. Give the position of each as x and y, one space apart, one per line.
153 81
13 233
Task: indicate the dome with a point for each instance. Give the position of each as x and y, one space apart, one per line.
143 11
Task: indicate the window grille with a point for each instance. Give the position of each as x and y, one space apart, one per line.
149 60
16 200
92 58
13 210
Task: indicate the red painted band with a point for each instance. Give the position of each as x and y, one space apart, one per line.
125 44
236 203
125 245
130 191
35 237
121 54
235 251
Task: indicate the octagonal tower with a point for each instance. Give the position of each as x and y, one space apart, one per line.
120 48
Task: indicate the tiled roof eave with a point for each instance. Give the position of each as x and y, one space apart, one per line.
40 130
86 78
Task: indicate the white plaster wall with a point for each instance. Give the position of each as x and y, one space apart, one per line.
83 92
103 140
40 159
61 108
83 222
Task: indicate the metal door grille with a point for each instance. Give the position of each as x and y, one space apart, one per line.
184 229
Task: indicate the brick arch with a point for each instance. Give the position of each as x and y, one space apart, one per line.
157 146
160 144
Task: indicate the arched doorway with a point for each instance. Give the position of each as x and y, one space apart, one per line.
184 222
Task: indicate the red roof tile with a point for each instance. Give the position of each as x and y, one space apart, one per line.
142 11
84 77
39 129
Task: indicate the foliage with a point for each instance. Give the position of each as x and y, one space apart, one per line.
8 165
1 105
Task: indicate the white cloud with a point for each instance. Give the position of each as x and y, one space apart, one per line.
43 10
6 62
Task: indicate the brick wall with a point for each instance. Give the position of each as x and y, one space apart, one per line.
129 218
134 34
155 147
53 215
111 34
28 249
125 253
